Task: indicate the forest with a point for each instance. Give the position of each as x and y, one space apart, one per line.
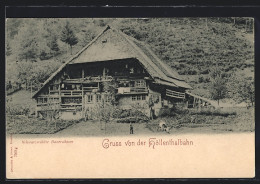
215 55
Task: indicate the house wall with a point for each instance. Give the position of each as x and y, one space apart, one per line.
157 98
126 102
69 115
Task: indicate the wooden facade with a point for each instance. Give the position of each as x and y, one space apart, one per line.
86 79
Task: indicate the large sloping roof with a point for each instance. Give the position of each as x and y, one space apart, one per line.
112 44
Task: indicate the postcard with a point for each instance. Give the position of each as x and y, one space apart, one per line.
130 98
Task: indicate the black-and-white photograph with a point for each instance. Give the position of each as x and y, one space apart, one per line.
129 76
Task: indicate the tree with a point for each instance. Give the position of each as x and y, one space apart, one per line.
218 89
68 36
52 112
110 87
27 41
103 111
241 89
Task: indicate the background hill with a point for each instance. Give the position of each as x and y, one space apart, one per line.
192 46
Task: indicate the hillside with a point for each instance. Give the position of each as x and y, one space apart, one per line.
192 46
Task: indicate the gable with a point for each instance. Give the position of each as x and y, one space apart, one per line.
112 44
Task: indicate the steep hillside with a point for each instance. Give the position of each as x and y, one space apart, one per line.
192 46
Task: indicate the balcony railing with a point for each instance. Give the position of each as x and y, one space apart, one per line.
89 79
71 92
90 89
132 90
174 94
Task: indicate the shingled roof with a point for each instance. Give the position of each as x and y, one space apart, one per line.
112 44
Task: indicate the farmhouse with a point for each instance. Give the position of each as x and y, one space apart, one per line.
113 67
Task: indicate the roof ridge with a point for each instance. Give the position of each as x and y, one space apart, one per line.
148 62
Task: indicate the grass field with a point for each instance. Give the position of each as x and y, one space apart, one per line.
225 120
243 122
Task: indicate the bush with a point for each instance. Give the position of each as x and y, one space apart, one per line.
206 71
166 112
204 79
135 119
216 112
129 115
23 125
120 113
17 110
177 109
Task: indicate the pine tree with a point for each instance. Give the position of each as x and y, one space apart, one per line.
68 36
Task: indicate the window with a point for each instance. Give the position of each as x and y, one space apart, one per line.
140 83
42 100
138 97
105 71
98 98
45 100
54 87
133 98
156 98
54 100
77 100
107 98
89 98
131 70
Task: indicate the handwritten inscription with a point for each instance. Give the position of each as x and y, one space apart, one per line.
12 154
47 141
151 143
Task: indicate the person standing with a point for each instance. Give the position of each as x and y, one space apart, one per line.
131 129
151 107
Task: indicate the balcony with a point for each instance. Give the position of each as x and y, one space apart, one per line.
175 94
89 79
70 93
132 90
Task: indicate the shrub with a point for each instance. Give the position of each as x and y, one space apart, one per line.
130 115
120 113
177 109
216 112
166 112
17 110
135 119
206 71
